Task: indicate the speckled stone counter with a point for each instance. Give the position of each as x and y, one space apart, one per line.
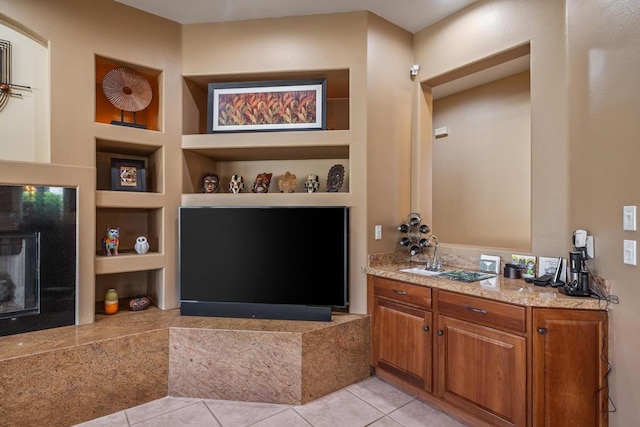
499 288
67 375
286 362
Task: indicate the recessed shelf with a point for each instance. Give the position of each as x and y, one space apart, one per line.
132 222
107 149
128 199
270 199
128 262
337 106
107 112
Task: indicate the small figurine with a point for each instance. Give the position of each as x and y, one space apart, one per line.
141 246
312 184
287 183
111 241
335 178
236 185
261 184
210 182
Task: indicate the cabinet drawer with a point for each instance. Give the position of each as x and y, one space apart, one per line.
490 313
400 291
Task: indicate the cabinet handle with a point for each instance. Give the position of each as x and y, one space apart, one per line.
440 333
400 292
476 310
542 331
425 328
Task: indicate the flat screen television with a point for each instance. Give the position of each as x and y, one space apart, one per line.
273 262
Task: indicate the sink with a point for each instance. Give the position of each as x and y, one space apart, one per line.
423 271
457 275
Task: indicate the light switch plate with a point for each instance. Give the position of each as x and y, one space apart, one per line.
377 232
629 218
629 252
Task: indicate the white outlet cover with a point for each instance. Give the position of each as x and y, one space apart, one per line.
629 218
629 252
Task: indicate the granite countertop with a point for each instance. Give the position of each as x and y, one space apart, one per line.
499 288
127 322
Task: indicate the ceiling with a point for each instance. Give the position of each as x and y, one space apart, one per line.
412 15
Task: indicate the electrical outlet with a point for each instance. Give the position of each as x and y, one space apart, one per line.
629 252
378 232
589 245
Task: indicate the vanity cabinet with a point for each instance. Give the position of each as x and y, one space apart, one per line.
482 369
488 362
402 343
569 367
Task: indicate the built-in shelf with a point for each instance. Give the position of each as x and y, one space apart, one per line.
107 112
109 149
337 105
128 262
270 199
128 199
132 222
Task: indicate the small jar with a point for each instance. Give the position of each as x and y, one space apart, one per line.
111 301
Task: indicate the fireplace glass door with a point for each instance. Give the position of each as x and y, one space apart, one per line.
19 274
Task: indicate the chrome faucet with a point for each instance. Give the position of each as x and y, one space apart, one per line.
434 265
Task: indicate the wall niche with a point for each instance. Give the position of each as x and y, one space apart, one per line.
106 112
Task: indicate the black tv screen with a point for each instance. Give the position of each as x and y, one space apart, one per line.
265 262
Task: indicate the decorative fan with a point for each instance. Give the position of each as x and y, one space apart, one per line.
127 90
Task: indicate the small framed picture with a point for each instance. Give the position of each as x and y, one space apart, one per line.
128 175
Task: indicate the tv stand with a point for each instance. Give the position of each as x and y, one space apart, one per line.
255 311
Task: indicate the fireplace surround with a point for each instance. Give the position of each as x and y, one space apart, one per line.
37 258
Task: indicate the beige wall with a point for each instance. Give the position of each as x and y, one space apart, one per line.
584 110
75 32
29 67
482 30
378 56
483 165
388 174
604 107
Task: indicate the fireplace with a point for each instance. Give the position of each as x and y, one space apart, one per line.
19 274
37 258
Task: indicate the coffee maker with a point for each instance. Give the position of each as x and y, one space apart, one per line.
578 283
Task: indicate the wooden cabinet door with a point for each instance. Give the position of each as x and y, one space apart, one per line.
402 342
482 370
569 368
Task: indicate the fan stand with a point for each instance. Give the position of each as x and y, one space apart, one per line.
128 124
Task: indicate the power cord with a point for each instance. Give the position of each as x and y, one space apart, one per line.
609 299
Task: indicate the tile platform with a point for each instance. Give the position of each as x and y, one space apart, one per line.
67 375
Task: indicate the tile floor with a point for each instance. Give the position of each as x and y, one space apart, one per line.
371 402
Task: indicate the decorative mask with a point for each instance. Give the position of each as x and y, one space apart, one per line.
312 184
236 185
210 182
261 184
335 178
287 183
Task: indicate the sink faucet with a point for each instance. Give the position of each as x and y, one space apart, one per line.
434 266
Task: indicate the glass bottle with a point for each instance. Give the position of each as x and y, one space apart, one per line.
405 241
403 228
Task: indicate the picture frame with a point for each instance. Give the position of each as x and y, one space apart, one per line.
273 105
128 175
